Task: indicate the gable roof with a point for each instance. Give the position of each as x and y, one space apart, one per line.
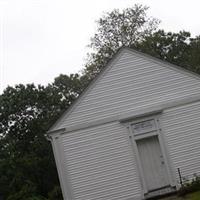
119 53
104 69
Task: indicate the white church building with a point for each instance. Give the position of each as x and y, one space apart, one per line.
132 134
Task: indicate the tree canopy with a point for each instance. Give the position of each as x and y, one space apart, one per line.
133 28
177 48
27 166
116 29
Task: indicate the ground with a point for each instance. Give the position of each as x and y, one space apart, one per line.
193 196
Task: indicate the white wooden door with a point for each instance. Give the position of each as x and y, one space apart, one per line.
152 163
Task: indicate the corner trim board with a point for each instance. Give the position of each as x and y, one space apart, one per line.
66 190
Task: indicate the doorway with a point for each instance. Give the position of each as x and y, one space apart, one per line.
152 163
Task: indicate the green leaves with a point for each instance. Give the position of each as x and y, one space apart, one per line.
27 164
116 29
178 48
122 28
133 28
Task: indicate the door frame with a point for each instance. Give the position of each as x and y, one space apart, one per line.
157 131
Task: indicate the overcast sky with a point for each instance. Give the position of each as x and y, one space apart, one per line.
40 39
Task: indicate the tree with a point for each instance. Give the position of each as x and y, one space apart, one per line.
133 28
193 56
26 161
169 46
27 164
177 48
117 29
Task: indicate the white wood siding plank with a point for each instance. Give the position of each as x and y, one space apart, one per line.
182 129
100 163
131 82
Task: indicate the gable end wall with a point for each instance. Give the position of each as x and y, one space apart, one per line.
132 82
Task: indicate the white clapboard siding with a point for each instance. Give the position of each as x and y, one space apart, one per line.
132 81
181 126
100 163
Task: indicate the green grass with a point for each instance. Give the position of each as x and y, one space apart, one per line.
193 196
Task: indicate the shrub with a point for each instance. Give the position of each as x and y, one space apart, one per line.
190 186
